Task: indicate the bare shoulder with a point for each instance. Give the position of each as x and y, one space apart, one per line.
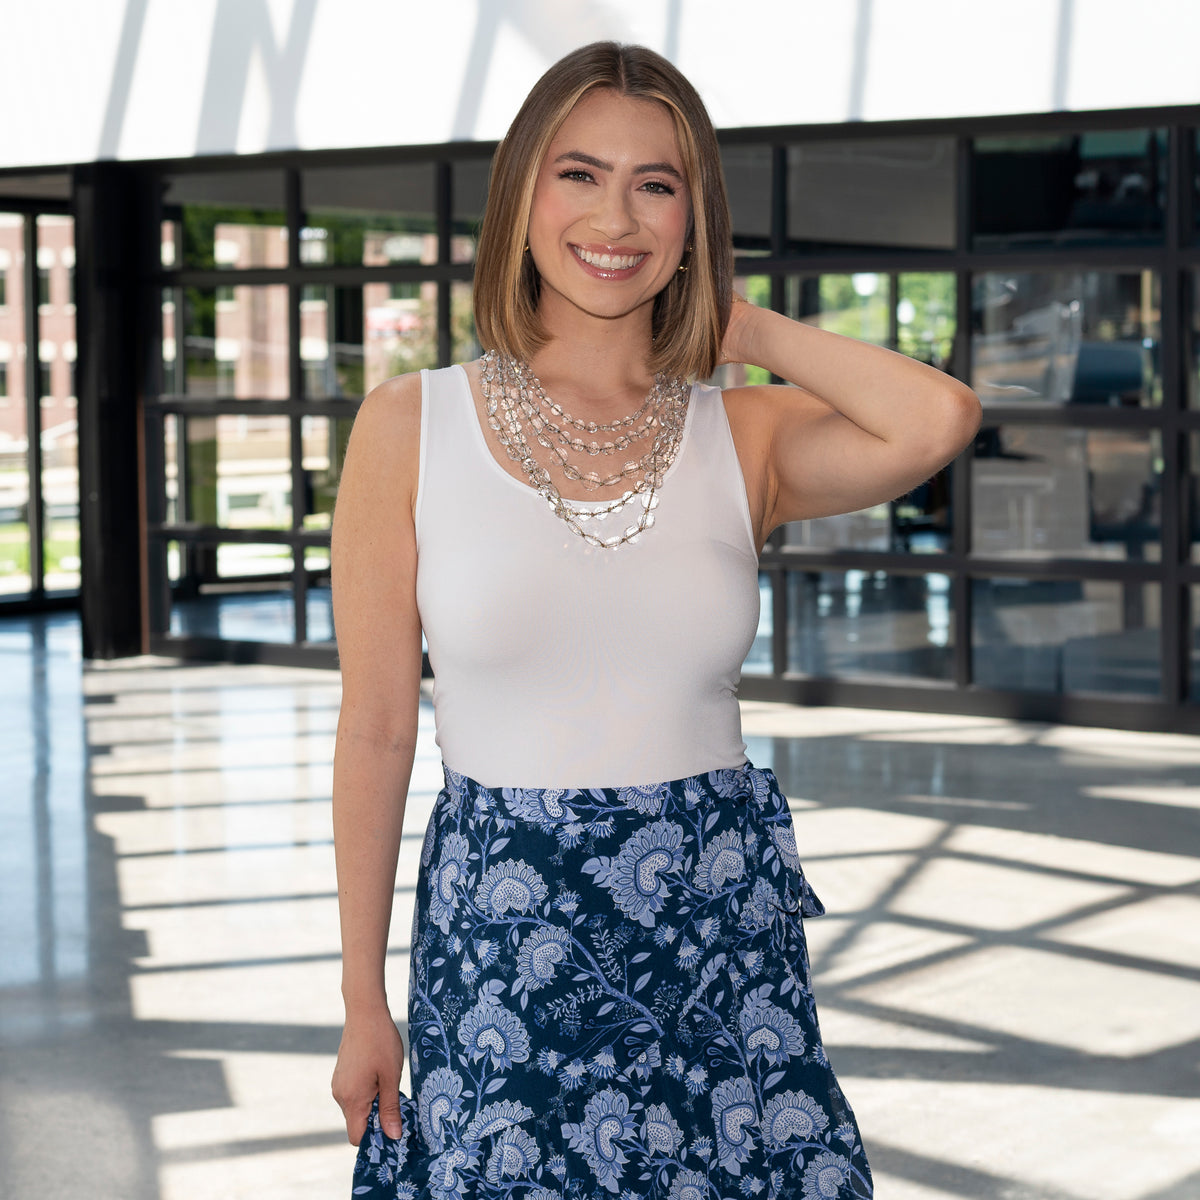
383 457
391 410
374 555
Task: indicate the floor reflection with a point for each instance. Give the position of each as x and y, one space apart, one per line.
1009 976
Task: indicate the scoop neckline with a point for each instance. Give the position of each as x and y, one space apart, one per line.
485 446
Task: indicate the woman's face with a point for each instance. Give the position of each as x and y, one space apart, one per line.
611 208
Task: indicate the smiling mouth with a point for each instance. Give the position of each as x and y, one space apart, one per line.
608 262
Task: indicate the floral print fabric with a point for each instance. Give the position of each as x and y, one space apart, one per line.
609 997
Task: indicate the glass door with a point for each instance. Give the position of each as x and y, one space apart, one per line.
39 459
15 577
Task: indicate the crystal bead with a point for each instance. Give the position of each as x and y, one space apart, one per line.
517 407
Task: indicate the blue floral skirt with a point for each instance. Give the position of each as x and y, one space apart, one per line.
609 997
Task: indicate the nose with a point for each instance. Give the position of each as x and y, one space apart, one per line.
613 216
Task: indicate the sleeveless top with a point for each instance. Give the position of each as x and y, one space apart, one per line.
560 664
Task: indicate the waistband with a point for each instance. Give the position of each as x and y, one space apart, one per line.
746 797
746 784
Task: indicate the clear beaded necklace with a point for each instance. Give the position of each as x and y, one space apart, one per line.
514 398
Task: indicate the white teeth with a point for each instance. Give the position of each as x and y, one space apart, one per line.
608 262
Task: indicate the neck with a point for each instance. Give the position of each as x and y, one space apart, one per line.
594 363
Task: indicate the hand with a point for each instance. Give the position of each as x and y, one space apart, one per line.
735 343
370 1062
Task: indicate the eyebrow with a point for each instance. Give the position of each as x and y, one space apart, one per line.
664 168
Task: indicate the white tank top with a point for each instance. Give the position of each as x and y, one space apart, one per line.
558 664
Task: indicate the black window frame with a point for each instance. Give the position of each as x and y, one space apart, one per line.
1174 259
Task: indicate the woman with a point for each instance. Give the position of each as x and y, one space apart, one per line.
609 985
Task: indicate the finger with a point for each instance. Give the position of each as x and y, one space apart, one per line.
389 1110
356 1122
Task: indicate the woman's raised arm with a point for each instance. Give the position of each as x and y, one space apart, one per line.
379 645
861 426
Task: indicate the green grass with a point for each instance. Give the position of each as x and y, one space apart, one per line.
63 542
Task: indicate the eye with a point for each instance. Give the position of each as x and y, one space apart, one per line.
576 174
659 187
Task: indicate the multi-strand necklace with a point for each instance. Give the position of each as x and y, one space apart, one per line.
515 400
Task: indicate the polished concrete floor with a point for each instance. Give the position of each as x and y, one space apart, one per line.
1009 977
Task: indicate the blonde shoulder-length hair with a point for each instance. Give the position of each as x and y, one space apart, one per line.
691 312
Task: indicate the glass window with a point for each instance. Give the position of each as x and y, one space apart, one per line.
3 380
43 284
60 500
862 194
1193 374
748 183
172 363
226 219
1044 635
332 341
59 432
368 216
926 321
470 182
1066 337
1195 664
3 282
324 442
319 596
1040 491
859 305
870 624
856 305
171 464
354 338
204 605
239 472
170 237
761 659
1193 478
14 465
916 523
464 344
1068 189
235 342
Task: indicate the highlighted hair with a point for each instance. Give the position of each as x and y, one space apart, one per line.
691 312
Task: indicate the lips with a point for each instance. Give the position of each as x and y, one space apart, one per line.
606 260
